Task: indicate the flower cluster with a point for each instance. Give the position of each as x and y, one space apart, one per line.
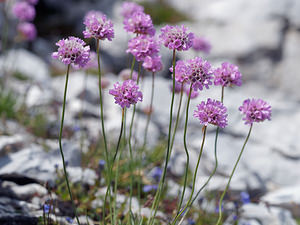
200 44
143 46
139 23
227 75
255 110
176 37
27 30
211 112
153 63
72 50
24 11
98 26
126 94
195 71
128 8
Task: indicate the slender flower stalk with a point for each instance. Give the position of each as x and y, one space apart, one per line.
60 144
117 169
150 111
195 176
177 117
186 149
231 175
162 180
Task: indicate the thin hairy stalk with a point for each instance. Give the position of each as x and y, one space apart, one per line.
231 175
177 118
132 66
117 165
150 111
194 179
214 170
103 131
130 146
162 180
60 144
186 150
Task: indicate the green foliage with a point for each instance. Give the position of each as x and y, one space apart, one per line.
161 13
7 104
20 76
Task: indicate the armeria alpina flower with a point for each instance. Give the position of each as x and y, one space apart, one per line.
255 110
201 44
126 94
98 26
128 8
143 46
178 87
176 37
72 50
24 11
227 75
211 112
139 23
27 31
195 71
153 63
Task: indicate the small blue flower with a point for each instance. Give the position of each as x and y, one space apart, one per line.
217 209
69 220
56 166
191 221
66 162
156 173
235 217
245 197
148 188
101 163
76 128
47 208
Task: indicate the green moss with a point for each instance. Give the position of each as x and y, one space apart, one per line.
7 104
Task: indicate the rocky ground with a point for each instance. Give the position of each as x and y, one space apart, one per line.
261 36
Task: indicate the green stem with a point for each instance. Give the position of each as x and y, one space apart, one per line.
130 146
194 179
132 66
234 168
103 130
117 169
186 149
60 144
215 155
150 112
162 181
177 118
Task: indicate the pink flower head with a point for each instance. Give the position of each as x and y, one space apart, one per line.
126 94
32 2
176 37
24 11
227 75
153 63
194 93
201 44
213 112
255 110
143 46
98 26
27 31
128 8
180 71
139 23
195 71
125 74
72 50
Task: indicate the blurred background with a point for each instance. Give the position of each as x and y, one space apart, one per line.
262 37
